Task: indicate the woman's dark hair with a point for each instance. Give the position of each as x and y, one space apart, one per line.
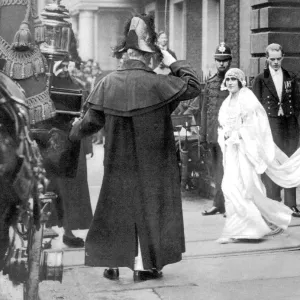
239 84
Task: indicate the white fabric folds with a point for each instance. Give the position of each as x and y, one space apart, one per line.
248 151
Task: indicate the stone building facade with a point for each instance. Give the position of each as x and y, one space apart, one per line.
195 28
98 24
275 22
232 30
203 25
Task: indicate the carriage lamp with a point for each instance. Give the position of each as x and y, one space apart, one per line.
57 31
56 34
58 42
51 266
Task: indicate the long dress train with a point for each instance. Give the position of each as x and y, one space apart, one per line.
248 152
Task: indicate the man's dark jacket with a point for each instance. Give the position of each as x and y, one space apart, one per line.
264 89
72 208
285 129
140 193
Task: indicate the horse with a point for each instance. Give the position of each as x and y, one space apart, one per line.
21 171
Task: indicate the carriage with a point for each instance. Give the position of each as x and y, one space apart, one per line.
26 101
193 157
24 201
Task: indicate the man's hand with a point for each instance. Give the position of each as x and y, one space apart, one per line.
168 58
75 121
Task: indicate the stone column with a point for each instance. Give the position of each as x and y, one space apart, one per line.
245 55
275 21
232 29
41 4
222 21
177 25
110 31
96 35
160 15
86 34
210 35
194 34
74 22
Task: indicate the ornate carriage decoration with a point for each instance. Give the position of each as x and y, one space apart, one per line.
22 60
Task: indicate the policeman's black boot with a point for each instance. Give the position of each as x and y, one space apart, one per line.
290 201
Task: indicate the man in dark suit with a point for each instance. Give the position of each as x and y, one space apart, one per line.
72 209
157 65
276 89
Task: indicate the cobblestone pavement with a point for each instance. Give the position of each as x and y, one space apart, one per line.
265 270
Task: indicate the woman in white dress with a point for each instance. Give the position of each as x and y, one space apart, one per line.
248 151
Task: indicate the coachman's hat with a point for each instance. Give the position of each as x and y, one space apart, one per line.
223 52
139 34
58 65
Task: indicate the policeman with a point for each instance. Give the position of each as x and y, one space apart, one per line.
212 102
276 89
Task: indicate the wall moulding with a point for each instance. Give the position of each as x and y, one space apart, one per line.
264 3
96 4
287 18
259 41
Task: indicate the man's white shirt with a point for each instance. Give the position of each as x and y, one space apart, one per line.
277 77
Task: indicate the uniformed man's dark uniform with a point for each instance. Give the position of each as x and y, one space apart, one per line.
283 122
213 99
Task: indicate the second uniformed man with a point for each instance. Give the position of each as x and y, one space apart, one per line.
276 89
213 100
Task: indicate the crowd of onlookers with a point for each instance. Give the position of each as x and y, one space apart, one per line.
88 74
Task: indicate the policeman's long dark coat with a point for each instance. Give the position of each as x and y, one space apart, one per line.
140 191
213 99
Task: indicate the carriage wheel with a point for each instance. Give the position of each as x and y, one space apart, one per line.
199 173
34 248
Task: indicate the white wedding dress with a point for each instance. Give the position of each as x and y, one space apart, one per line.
248 152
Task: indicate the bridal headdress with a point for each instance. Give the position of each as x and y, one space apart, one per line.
237 73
